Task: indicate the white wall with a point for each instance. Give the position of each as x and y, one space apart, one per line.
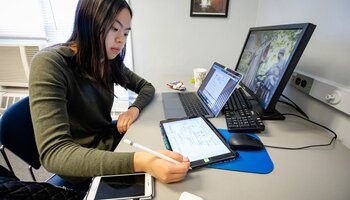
326 56
166 40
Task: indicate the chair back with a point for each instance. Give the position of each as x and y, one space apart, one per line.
17 133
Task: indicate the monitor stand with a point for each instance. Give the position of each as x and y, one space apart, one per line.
274 115
266 115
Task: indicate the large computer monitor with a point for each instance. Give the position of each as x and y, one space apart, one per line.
268 59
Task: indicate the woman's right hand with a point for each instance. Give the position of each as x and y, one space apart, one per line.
162 170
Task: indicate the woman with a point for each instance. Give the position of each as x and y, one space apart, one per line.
71 96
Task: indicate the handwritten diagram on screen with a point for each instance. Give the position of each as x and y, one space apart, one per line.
194 138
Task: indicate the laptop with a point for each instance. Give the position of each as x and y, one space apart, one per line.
208 100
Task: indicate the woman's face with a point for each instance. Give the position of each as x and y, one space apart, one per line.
116 36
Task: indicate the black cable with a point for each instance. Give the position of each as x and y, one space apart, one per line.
288 103
309 146
296 108
294 105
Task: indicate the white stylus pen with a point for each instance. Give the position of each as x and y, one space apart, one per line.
134 144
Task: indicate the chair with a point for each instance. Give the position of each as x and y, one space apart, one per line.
17 135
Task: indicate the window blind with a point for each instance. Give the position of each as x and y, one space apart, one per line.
21 19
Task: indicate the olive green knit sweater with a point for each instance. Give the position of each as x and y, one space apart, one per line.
71 117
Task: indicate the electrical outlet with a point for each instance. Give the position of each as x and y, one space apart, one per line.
302 82
328 92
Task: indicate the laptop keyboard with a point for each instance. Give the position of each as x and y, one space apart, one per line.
239 115
192 105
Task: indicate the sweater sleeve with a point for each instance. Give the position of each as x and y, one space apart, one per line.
59 153
143 88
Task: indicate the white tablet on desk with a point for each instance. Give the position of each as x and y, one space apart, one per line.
197 139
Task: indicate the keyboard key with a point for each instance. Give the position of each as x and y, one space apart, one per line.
192 105
239 114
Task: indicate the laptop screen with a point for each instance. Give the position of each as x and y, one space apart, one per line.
218 86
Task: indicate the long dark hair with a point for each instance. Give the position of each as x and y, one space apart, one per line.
93 19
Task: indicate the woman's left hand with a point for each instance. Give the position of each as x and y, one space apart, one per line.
126 119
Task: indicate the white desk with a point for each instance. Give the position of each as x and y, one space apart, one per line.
317 173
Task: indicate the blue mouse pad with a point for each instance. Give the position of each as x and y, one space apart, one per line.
247 161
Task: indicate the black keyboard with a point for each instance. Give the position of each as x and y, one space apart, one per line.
192 105
239 115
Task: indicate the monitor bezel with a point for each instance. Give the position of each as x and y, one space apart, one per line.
307 30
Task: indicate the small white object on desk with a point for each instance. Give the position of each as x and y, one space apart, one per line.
189 196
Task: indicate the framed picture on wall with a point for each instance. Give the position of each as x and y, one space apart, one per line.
209 8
